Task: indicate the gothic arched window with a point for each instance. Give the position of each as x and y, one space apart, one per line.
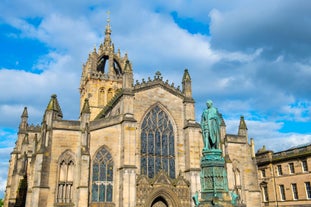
102 176
157 144
101 97
65 178
109 94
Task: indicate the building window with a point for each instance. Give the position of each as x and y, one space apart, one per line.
102 176
295 191
109 95
263 173
157 144
291 168
282 193
101 97
308 189
65 178
265 193
279 167
304 166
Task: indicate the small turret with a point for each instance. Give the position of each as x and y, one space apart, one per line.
85 113
24 120
253 148
52 112
127 76
84 125
188 100
223 124
54 107
242 127
86 107
186 84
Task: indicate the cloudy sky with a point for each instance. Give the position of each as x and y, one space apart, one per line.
251 58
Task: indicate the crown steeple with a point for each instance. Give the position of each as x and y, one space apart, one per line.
104 73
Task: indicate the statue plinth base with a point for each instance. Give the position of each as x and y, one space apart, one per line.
214 182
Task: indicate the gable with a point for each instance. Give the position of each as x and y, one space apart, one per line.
146 99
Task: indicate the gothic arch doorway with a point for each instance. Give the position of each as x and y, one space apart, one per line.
159 202
163 197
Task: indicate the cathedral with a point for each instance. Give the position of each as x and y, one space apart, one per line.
135 144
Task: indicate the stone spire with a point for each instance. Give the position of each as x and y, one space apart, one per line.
242 127
86 107
186 84
25 113
84 125
54 106
24 120
127 76
222 121
107 41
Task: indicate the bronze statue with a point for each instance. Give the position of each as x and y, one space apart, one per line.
210 125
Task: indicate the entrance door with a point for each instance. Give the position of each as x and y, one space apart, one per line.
159 202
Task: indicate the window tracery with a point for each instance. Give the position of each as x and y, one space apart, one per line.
157 144
102 177
65 178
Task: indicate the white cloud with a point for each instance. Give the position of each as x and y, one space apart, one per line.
34 90
267 133
4 163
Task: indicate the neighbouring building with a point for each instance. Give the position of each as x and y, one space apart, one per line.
134 145
284 177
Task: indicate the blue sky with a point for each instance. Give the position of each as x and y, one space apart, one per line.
251 58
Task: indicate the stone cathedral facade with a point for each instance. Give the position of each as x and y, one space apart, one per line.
134 145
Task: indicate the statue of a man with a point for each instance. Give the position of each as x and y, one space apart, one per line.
210 125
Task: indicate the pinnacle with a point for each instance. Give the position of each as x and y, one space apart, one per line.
25 113
54 105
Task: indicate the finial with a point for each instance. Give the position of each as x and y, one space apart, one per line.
25 113
108 29
186 76
108 18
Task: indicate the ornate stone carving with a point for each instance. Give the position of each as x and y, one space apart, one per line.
162 191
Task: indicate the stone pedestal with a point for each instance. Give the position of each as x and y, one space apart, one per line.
214 182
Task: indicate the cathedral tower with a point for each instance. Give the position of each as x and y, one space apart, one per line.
102 75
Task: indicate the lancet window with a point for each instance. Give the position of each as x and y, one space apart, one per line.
109 94
157 144
102 176
65 178
101 97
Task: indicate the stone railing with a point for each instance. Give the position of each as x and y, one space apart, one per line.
103 76
158 79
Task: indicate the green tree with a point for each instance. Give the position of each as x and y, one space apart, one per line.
1 203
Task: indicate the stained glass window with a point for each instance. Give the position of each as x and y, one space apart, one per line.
157 144
102 176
